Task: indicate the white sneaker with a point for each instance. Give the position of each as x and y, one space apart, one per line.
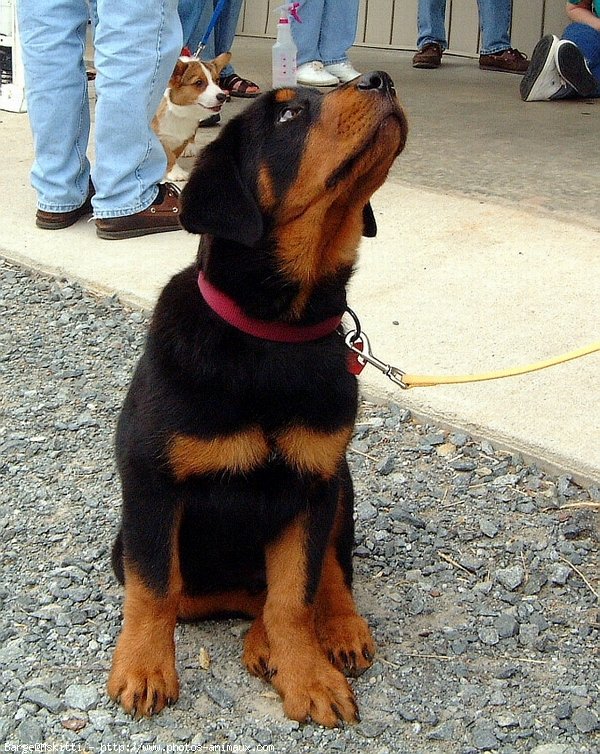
542 80
314 74
343 71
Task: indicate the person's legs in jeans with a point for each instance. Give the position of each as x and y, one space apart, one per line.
587 40
195 16
494 22
431 23
338 30
130 160
225 31
53 41
306 35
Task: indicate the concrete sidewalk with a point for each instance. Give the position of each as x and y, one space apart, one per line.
488 253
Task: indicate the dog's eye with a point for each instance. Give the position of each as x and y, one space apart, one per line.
289 113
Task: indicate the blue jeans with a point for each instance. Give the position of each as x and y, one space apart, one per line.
327 31
195 16
494 21
587 40
136 46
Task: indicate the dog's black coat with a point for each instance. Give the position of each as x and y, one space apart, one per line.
201 381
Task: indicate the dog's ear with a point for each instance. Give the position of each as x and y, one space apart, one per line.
369 223
178 72
221 61
216 200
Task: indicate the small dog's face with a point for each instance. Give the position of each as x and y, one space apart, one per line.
195 82
297 169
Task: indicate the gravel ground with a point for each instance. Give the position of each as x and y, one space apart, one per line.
477 573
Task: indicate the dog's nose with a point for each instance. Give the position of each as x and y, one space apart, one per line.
221 97
379 80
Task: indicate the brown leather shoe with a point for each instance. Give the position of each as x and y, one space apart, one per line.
60 220
428 57
161 216
508 61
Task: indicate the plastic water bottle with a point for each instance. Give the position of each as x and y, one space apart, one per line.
284 49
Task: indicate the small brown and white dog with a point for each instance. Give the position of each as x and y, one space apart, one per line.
192 89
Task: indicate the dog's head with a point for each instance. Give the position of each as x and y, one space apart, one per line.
195 82
295 171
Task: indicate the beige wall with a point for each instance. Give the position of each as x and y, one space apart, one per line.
392 23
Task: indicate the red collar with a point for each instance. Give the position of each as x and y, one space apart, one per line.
280 332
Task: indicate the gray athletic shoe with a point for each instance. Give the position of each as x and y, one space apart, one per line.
542 80
573 68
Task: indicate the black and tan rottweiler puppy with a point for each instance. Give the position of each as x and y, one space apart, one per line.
231 442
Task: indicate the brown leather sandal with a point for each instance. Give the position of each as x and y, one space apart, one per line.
239 87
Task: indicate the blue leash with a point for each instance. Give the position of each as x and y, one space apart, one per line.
211 26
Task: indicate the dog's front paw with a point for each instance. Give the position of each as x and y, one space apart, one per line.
177 173
316 692
191 150
347 642
141 680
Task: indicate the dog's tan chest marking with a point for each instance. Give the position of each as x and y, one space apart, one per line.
238 453
311 451
304 449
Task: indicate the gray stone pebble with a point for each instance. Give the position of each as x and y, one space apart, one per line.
484 738
560 574
443 732
488 527
586 720
506 625
489 636
386 466
30 732
486 637
43 699
83 697
511 577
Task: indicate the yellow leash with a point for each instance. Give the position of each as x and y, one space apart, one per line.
424 380
358 343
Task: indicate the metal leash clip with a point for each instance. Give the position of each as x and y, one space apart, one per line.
358 343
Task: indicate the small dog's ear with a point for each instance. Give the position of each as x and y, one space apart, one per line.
369 223
221 61
215 200
178 72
